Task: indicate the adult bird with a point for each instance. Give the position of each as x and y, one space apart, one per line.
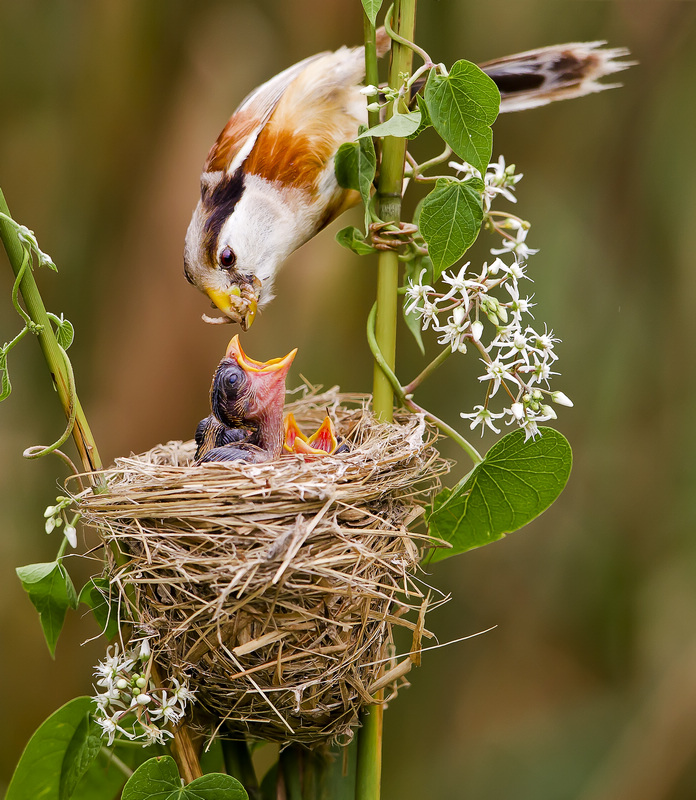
268 184
246 399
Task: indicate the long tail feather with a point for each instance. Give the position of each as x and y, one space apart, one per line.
560 72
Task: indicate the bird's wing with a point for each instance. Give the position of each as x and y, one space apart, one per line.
560 72
237 139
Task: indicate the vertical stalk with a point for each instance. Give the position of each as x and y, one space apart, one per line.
389 206
183 749
389 189
81 433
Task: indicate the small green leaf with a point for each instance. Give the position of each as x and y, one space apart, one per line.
57 755
99 595
5 385
372 8
354 240
463 105
52 593
158 779
425 122
355 166
401 125
450 220
65 333
515 482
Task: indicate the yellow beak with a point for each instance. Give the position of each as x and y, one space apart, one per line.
234 350
233 305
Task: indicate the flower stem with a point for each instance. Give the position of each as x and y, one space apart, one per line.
432 366
407 401
389 205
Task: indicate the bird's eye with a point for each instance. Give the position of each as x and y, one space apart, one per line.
227 258
233 379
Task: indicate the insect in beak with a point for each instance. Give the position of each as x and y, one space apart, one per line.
239 303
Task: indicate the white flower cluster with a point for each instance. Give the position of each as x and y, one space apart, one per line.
519 357
130 703
57 515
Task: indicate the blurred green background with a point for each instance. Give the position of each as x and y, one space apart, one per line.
586 689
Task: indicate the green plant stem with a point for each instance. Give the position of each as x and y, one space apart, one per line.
389 190
60 373
369 768
289 762
407 401
432 366
110 756
389 206
238 764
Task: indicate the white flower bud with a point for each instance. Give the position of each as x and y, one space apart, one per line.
71 535
373 107
477 330
459 315
145 650
548 412
562 399
141 683
50 511
369 91
122 684
143 699
517 411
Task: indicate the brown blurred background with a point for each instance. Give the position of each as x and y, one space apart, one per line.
586 689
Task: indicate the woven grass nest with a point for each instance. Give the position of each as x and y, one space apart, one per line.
276 587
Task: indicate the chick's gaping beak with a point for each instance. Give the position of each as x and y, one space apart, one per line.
276 368
239 303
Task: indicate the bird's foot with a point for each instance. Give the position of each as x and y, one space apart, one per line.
391 235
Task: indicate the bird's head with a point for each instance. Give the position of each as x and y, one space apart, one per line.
248 391
239 234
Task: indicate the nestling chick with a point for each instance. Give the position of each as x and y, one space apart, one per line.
268 184
322 442
246 399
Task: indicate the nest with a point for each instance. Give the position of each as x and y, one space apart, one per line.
276 587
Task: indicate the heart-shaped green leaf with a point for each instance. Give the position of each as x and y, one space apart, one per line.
402 125
99 595
515 482
462 106
57 755
353 239
372 8
52 592
450 220
158 779
355 166
65 333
